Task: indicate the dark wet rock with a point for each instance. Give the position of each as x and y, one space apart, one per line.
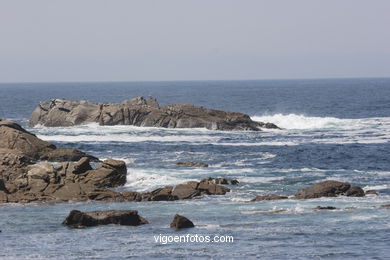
180 222
385 206
192 164
329 189
269 197
80 219
140 112
220 180
65 155
325 208
371 192
355 191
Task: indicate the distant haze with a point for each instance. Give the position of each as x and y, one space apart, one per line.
125 40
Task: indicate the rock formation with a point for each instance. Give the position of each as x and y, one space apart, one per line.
24 180
180 222
78 219
140 112
14 137
329 189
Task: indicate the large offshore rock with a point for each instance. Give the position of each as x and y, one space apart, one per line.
140 112
80 219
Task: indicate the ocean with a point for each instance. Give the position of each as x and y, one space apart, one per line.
332 129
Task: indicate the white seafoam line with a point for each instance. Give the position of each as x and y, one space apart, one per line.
297 128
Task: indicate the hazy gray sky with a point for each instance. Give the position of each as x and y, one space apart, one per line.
125 40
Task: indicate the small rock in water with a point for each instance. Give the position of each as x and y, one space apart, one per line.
372 192
80 219
269 197
326 207
192 164
386 206
181 222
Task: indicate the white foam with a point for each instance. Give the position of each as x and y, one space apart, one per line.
149 179
377 187
294 121
260 179
129 138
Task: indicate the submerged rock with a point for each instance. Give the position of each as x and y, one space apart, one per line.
140 112
371 192
192 164
329 189
325 208
180 222
269 197
80 219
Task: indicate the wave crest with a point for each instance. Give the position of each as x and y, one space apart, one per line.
294 121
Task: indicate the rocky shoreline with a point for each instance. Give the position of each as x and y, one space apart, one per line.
33 170
140 112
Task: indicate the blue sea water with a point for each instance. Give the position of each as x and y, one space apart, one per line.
335 129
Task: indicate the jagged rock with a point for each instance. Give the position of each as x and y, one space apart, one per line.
220 180
23 181
329 189
192 164
325 208
111 173
65 155
161 194
186 191
372 192
269 197
180 222
140 112
80 219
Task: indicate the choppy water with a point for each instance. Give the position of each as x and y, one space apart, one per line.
332 129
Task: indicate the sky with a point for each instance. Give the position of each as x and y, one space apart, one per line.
145 40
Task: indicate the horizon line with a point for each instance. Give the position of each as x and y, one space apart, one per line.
190 80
